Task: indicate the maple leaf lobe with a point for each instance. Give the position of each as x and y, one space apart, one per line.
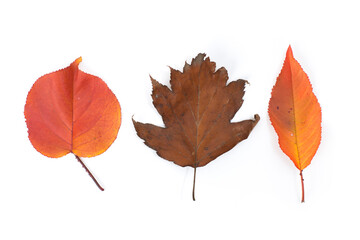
196 112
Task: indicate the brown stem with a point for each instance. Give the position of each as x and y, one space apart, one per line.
90 174
302 187
193 193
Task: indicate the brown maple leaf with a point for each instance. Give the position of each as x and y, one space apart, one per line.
197 114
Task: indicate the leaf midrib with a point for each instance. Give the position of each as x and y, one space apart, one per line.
294 111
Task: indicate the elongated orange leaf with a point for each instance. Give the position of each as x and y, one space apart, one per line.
295 114
69 111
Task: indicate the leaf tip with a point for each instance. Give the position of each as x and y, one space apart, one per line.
77 62
132 118
154 83
195 61
289 52
257 118
199 59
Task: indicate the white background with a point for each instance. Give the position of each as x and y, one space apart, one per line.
250 192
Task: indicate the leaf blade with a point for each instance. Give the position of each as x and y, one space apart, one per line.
71 111
197 113
295 113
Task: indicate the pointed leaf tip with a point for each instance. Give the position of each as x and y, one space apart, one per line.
77 62
289 52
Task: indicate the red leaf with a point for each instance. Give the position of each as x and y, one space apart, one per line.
69 111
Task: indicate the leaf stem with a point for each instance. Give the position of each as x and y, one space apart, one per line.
302 187
90 174
193 192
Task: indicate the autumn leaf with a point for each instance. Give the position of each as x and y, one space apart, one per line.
196 112
69 111
295 114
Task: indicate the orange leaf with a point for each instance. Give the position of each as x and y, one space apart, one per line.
295 114
69 111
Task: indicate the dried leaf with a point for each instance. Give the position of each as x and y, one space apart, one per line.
69 111
197 114
295 114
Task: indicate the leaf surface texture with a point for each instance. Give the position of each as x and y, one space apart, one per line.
196 112
71 111
295 113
